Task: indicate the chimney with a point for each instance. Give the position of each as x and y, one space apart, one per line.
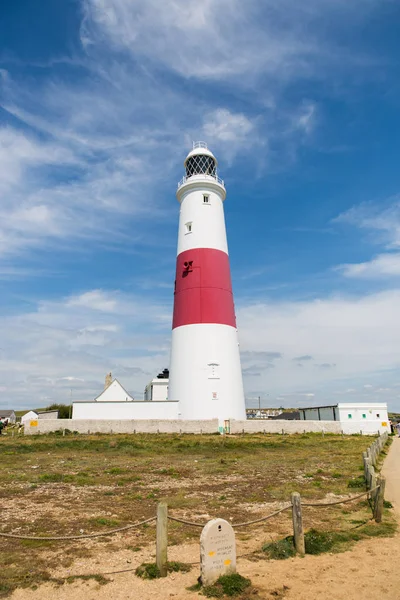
108 381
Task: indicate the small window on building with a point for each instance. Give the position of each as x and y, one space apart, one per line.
378 416
349 416
206 199
188 227
364 416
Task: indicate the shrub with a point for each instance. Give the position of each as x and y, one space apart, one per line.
228 585
175 567
281 549
51 477
151 571
148 571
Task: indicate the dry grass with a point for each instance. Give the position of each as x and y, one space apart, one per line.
61 485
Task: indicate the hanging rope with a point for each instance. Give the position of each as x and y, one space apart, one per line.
82 536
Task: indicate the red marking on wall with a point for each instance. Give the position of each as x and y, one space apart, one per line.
203 288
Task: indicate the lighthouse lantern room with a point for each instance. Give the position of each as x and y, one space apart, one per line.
205 370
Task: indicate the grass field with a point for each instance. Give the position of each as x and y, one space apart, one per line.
53 485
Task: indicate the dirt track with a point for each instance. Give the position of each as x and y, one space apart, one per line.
367 572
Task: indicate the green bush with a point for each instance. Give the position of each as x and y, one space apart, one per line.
281 549
175 567
227 585
51 477
151 571
148 571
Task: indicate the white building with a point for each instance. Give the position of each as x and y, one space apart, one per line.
29 416
205 370
115 403
33 415
359 417
8 415
113 392
156 390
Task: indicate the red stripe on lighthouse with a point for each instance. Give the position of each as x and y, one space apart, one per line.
203 288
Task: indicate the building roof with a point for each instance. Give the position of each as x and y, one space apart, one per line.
293 415
120 385
6 413
317 407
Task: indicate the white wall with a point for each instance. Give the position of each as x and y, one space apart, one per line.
86 426
114 393
125 410
277 426
123 426
376 417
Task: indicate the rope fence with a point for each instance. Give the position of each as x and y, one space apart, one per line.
81 536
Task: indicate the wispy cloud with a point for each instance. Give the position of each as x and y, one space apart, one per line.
382 266
221 39
384 223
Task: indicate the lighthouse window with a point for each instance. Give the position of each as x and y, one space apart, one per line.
206 199
200 165
188 227
213 371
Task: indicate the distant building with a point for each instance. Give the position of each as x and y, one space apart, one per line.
9 415
29 416
113 392
262 413
47 414
290 415
369 417
157 389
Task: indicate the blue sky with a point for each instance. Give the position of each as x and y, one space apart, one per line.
99 103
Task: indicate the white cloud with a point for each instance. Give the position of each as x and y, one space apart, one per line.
384 223
229 133
72 343
383 265
221 39
355 336
95 300
224 126
305 118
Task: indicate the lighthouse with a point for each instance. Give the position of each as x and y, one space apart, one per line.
205 370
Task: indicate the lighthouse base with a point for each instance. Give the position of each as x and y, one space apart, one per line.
205 372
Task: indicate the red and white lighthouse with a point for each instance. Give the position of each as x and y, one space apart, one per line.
205 370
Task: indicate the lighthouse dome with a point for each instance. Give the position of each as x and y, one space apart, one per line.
200 161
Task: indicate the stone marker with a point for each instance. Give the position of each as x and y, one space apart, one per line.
217 550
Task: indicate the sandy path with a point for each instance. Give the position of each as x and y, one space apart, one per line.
367 572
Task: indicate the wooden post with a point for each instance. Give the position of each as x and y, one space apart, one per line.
372 480
298 532
162 538
380 496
